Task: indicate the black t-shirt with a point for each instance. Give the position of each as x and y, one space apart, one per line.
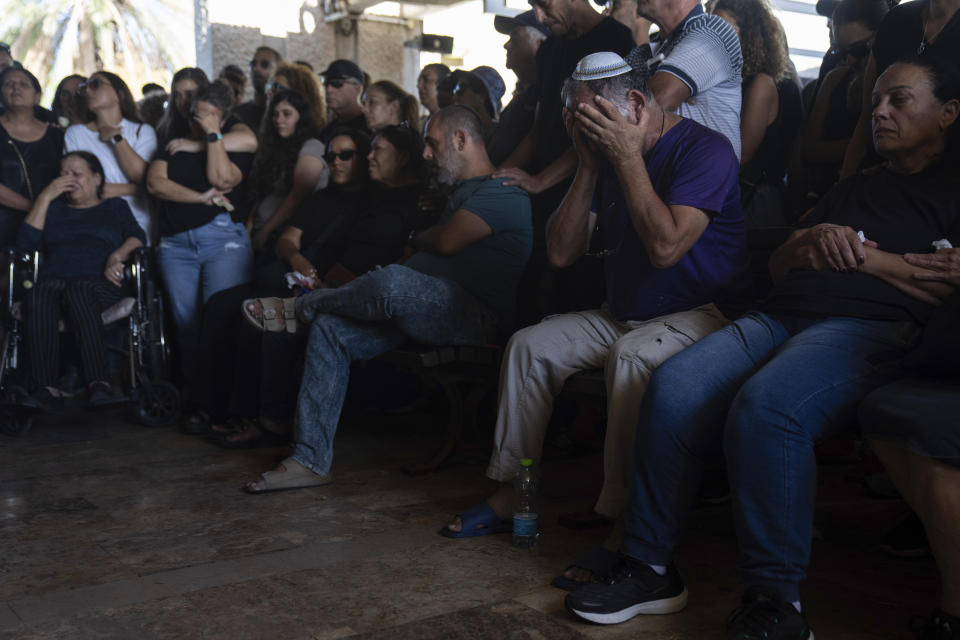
769 163
902 214
41 157
515 123
358 230
250 114
190 170
901 33
556 60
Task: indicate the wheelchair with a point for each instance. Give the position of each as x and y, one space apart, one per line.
134 334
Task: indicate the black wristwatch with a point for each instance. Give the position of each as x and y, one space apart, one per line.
410 238
116 139
214 137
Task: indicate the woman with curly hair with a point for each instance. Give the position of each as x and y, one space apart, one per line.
297 77
772 110
289 166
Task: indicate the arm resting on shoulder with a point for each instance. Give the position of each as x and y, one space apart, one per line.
240 139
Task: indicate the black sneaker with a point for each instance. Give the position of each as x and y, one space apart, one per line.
764 615
939 626
635 588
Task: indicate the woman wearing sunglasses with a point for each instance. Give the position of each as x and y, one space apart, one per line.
30 150
289 166
115 134
341 232
771 109
836 110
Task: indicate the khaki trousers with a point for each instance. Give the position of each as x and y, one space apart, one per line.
539 359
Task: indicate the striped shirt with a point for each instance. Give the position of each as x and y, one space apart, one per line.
704 53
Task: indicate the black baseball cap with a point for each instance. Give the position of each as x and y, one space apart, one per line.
342 70
506 24
826 7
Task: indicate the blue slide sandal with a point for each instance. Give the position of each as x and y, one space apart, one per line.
481 520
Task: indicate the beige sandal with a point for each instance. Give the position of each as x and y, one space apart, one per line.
274 317
294 476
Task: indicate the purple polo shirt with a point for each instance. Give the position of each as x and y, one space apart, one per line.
694 166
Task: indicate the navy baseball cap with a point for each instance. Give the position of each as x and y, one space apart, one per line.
506 24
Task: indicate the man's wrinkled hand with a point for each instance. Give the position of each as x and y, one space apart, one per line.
605 127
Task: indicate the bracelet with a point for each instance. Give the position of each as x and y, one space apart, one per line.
411 237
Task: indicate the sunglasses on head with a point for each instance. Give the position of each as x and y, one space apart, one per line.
4 47
275 87
263 63
92 83
343 156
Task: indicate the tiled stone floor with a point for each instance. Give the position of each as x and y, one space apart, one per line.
110 530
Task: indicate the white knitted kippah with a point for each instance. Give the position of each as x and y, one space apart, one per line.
604 64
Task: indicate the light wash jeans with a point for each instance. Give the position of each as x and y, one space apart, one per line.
364 318
198 263
765 389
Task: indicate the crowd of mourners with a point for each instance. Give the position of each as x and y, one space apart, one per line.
597 220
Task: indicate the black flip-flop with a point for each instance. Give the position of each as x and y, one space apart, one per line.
596 560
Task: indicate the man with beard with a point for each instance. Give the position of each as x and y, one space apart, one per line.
264 62
458 288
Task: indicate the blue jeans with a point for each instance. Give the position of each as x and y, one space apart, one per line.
765 389
364 318
198 263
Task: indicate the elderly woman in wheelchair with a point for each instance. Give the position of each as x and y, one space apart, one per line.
84 240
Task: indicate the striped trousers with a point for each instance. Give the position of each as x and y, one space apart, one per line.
80 303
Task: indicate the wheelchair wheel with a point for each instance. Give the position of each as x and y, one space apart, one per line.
157 404
14 424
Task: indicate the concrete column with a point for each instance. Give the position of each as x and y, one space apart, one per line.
202 37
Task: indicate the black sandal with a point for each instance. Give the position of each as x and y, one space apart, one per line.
263 438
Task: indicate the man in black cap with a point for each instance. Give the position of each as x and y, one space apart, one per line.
265 61
343 84
526 36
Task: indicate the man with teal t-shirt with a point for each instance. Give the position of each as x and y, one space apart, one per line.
458 288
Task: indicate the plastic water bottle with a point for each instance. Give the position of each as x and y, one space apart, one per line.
525 531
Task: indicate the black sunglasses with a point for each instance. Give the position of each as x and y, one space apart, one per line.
92 83
344 155
263 64
4 47
336 83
